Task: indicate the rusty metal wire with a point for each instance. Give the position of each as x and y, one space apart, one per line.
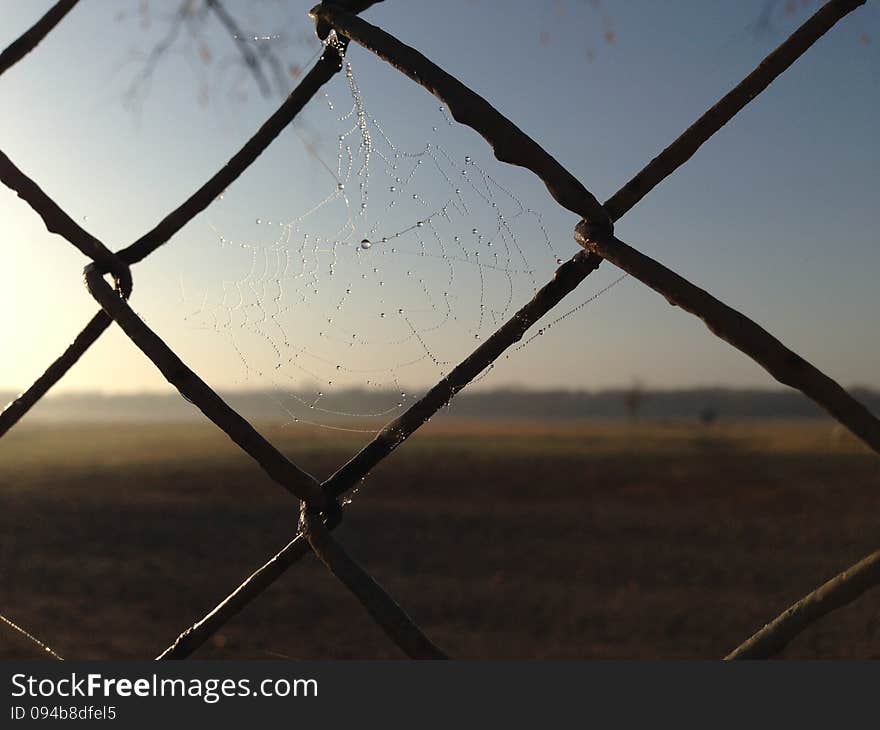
390 617
196 391
43 647
325 68
839 591
29 40
319 507
786 366
15 410
57 221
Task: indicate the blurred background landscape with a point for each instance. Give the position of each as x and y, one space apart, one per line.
659 533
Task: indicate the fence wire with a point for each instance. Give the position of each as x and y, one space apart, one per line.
338 24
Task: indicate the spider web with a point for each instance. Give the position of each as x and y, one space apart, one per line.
405 256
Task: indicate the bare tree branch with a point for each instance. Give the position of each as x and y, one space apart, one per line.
250 58
145 76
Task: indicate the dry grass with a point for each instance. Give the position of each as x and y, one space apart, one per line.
502 539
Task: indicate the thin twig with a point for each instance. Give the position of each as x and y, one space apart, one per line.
143 79
30 637
390 617
837 592
733 327
196 391
247 54
29 40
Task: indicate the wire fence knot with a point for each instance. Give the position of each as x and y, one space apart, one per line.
123 283
330 515
586 233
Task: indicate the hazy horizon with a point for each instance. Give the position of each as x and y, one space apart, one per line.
756 217
367 410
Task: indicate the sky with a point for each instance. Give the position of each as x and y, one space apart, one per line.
776 215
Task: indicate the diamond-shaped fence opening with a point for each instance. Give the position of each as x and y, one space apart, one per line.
339 24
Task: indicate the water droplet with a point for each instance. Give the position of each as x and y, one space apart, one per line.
467 158
382 315
365 244
259 221
475 231
393 189
558 260
340 186
420 224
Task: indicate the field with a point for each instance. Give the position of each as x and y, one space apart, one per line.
503 540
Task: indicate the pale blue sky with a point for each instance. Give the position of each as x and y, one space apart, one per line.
776 214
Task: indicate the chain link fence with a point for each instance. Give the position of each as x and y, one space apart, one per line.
338 25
